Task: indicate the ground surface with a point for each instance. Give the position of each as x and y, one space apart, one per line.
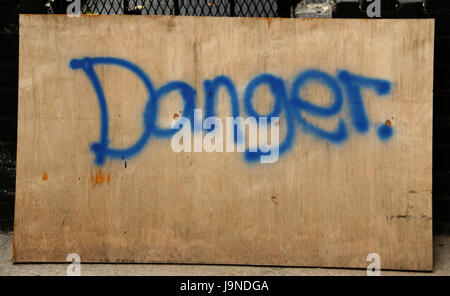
441 263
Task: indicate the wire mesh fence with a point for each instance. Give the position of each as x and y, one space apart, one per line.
244 8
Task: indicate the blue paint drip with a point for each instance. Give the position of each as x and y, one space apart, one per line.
385 132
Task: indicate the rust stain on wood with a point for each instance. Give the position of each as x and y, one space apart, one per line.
275 199
92 178
100 178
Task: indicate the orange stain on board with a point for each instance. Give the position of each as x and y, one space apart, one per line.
269 20
100 178
44 177
92 178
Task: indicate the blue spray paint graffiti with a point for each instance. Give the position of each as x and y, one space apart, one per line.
293 105
336 136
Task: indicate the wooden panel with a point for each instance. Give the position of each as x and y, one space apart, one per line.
354 172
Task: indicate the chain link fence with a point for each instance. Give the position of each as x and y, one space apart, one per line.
240 8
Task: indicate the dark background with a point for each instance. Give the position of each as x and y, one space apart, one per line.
9 41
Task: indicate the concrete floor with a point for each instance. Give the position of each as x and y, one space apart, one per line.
441 261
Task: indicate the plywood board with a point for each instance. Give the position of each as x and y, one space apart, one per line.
97 174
